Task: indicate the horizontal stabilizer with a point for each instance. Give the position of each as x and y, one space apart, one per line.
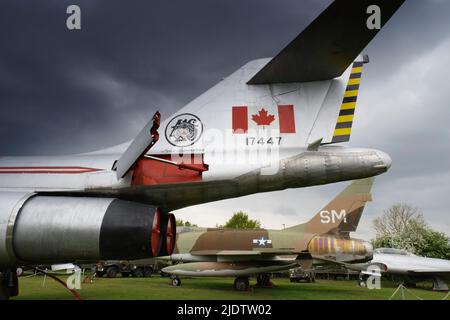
329 44
314 146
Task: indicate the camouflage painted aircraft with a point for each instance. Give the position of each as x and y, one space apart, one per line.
242 253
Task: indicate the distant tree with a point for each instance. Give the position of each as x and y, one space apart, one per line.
181 223
403 227
240 220
434 245
397 219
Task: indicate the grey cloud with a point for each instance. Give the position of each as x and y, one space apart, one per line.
285 211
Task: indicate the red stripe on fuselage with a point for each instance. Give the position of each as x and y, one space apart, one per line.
47 170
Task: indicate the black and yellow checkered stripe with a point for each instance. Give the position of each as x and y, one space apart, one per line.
345 119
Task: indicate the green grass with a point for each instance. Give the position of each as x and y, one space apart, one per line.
157 288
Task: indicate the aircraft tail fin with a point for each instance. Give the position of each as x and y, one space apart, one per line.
340 216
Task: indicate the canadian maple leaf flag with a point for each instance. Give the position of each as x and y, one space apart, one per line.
263 117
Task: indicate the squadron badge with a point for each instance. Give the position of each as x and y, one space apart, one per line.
184 130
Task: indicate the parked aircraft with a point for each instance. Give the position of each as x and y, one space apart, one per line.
403 263
242 253
266 127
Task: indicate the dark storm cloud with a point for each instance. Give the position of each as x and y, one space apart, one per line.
97 86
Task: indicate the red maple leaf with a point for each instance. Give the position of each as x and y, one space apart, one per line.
263 118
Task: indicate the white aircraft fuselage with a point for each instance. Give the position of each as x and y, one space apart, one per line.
411 264
235 156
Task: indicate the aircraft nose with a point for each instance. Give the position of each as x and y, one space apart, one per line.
385 159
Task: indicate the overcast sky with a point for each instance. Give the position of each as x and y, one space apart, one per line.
64 92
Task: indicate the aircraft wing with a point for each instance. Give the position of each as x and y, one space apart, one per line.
259 252
247 255
328 45
221 269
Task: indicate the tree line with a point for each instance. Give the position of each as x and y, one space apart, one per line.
403 227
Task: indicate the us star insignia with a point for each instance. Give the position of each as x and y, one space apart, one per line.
262 241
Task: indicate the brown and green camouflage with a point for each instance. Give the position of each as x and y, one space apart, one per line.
324 237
